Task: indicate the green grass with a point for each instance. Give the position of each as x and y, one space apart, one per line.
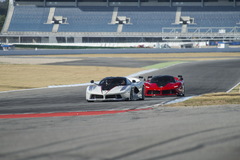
221 98
236 89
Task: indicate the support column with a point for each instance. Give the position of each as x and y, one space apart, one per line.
114 15
120 27
178 15
52 40
55 28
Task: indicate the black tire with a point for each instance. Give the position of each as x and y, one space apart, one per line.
183 93
89 101
143 94
131 96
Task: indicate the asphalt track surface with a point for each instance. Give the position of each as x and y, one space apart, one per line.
199 77
115 51
112 62
159 133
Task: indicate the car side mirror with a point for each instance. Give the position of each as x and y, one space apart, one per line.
180 77
133 81
142 78
92 81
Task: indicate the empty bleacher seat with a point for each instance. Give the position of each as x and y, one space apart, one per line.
142 19
213 16
148 19
30 18
86 19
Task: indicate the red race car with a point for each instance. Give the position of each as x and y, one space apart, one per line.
164 85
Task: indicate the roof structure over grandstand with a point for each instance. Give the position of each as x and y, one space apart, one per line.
80 21
129 2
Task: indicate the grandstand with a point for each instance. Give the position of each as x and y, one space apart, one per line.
108 21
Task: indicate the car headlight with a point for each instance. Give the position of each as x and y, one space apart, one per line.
176 86
91 88
123 88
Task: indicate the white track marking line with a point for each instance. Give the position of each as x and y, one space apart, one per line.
233 87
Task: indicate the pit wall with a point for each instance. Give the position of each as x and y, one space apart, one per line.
134 45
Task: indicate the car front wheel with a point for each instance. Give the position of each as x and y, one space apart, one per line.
143 94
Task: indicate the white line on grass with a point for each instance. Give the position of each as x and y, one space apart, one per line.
233 87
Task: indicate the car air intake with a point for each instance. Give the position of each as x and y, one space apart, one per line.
93 96
117 96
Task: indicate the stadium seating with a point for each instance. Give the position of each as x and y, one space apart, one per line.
148 19
86 19
213 16
142 19
30 18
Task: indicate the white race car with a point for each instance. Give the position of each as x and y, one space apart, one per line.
116 89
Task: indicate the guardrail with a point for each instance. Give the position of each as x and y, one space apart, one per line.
167 34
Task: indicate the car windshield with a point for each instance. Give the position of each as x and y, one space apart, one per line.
109 83
162 80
